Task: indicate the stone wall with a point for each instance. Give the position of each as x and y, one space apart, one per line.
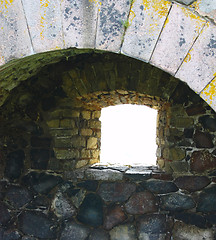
50 139
107 203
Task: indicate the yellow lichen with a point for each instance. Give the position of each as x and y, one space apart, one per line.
98 3
188 58
210 91
43 5
4 4
159 6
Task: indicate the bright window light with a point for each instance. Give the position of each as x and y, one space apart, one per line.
128 135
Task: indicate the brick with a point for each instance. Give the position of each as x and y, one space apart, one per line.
86 115
66 153
78 142
62 142
96 114
92 142
86 132
53 123
81 163
67 123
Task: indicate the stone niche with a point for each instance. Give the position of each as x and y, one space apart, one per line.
52 185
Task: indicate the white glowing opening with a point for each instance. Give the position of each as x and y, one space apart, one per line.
128 135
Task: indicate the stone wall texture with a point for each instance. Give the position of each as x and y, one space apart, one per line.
176 36
52 185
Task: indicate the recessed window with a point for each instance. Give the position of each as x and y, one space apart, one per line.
128 135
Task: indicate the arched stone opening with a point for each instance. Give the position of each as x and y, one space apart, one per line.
49 124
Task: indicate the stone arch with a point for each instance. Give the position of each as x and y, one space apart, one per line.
171 36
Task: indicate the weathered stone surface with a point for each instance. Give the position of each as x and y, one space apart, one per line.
192 183
144 18
174 154
209 93
40 142
79 23
203 140
126 232
207 200
74 231
111 19
91 210
37 225
116 192
152 226
18 196
138 173
41 182
192 219
105 174
141 202
14 164
202 54
40 158
4 214
98 234
44 24
14 35
115 215
195 110
159 186
10 234
179 166
90 185
186 2
178 35
183 231
208 122
176 202
202 161
62 207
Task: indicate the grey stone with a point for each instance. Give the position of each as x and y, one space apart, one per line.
98 234
62 207
182 231
74 231
141 202
112 16
192 183
79 23
176 202
105 174
14 35
138 174
44 24
91 210
152 226
4 214
18 196
186 2
41 182
37 225
114 216
126 232
159 186
207 200
116 192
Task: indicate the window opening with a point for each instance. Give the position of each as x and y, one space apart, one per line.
128 135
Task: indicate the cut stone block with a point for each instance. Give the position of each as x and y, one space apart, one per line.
14 35
112 18
180 31
44 23
199 67
209 94
79 22
146 20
